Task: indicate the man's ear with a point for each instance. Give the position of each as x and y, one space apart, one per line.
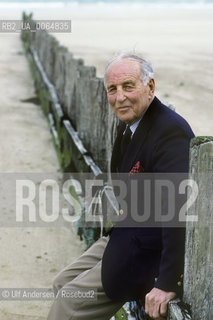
151 85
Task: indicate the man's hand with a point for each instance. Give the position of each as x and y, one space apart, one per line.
156 302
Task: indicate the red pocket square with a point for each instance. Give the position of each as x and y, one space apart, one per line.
137 168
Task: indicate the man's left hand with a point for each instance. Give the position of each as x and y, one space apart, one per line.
156 302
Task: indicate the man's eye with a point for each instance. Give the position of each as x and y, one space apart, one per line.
111 90
129 87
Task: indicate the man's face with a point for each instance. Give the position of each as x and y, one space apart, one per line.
126 93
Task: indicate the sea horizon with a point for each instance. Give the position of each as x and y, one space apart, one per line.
110 2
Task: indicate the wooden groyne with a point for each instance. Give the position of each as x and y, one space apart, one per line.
83 129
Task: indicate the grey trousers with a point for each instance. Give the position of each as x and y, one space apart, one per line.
82 275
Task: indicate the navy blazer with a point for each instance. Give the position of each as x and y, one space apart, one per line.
137 259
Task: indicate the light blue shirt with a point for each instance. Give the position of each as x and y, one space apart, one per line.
134 126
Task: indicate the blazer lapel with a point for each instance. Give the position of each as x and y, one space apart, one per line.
115 160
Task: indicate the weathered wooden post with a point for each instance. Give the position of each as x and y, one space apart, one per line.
198 273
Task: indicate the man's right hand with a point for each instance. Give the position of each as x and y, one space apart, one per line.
156 302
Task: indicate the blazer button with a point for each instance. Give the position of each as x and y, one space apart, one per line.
121 211
179 283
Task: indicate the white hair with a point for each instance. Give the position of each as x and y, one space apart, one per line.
145 66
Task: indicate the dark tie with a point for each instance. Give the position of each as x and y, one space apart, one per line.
125 140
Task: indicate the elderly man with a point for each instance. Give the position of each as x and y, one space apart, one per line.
132 263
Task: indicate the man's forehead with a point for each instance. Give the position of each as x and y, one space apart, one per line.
123 70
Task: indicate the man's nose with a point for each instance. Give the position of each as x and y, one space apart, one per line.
120 95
